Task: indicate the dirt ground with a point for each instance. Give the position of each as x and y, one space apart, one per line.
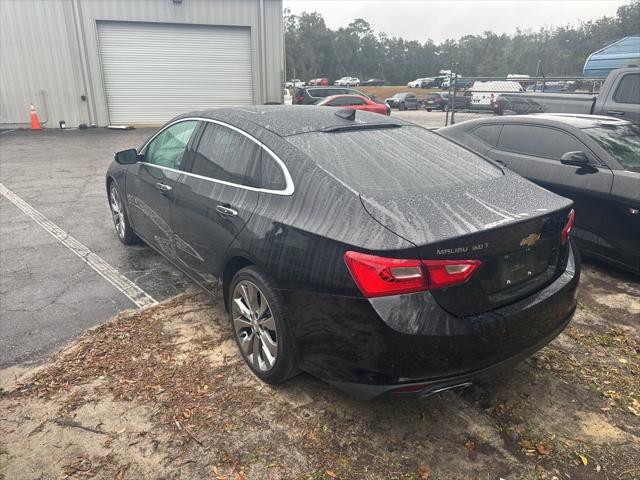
390 90
163 394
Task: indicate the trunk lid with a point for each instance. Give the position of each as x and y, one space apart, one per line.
510 224
450 203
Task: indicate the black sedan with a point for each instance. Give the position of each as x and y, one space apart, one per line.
593 160
365 250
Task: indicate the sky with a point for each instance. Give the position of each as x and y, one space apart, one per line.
439 20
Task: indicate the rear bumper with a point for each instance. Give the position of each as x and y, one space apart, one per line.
429 387
370 346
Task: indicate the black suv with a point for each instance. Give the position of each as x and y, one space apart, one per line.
310 95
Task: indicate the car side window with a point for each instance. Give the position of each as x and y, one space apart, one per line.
628 90
167 149
318 92
487 133
340 102
272 175
355 101
538 141
227 155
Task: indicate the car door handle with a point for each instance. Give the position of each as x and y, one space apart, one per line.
615 112
163 187
229 212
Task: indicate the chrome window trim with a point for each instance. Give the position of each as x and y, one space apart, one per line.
289 187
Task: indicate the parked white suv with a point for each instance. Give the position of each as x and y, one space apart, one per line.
348 82
294 82
417 83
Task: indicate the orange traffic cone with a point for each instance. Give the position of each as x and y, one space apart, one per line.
35 123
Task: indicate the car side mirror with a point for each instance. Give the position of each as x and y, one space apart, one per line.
126 157
578 159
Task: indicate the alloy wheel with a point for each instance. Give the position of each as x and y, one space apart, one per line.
117 212
254 326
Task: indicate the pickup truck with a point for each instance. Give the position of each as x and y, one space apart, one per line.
619 97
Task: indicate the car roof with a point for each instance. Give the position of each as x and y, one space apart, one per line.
557 119
286 120
582 121
341 95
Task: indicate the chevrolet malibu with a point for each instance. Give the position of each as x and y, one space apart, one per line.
362 249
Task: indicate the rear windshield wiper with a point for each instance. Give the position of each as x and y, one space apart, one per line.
359 126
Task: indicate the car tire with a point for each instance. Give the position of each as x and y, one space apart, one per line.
428 109
259 326
120 217
402 107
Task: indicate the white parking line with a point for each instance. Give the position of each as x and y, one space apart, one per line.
109 273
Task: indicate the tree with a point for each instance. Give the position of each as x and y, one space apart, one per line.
317 51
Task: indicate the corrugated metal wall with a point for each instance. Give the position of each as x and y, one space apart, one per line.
39 56
51 46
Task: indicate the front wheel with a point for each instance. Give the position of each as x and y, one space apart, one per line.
259 326
428 109
120 218
402 107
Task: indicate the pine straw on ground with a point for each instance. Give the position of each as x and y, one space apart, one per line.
134 358
575 399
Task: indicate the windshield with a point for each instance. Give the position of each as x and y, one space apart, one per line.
622 142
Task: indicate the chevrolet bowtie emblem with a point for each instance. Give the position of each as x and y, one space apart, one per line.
530 240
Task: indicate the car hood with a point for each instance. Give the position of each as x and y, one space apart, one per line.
459 210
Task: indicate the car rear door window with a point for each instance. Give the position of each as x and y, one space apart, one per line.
628 90
345 101
272 177
227 155
538 141
167 148
318 92
487 133
354 101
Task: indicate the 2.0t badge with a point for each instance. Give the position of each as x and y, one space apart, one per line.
530 240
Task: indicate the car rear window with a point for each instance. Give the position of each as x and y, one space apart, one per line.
394 161
629 89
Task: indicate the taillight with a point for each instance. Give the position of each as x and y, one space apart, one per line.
446 273
564 235
299 98
382 276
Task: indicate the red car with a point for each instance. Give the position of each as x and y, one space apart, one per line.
319 81
356 102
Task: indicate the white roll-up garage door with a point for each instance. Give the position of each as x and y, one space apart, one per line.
154 71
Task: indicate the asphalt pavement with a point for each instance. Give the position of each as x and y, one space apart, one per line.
50 293
435 119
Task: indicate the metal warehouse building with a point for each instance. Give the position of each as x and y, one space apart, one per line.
102 62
